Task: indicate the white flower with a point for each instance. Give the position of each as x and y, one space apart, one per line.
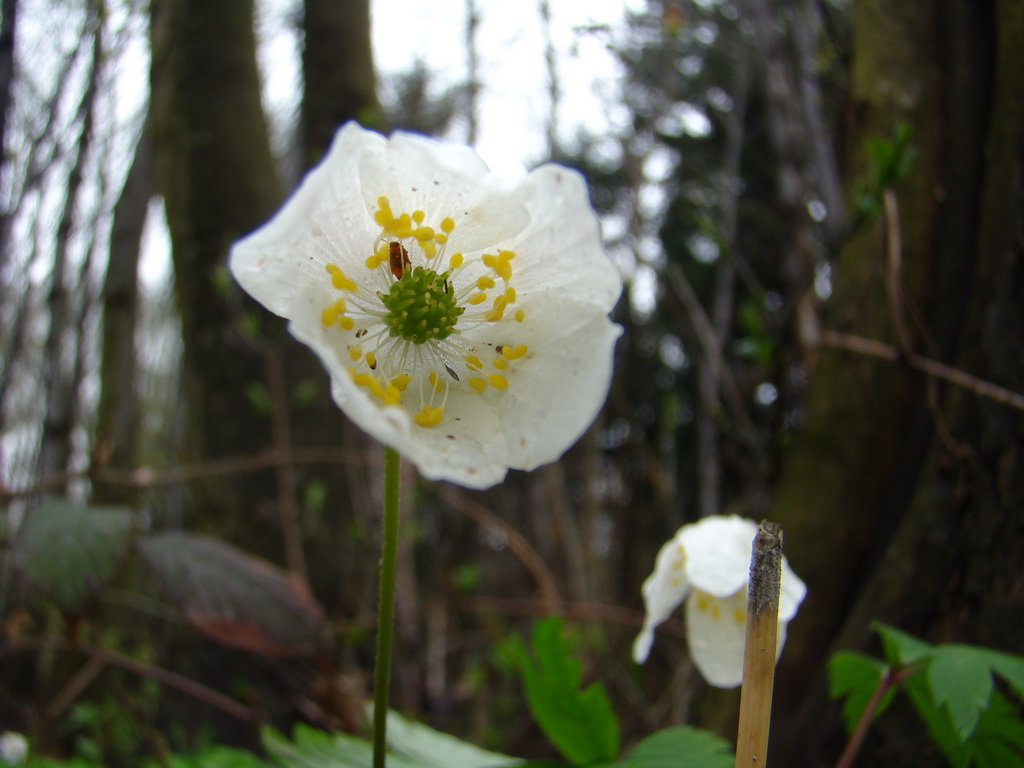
463 318
707 564
13 748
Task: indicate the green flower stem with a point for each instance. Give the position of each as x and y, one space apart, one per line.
386 606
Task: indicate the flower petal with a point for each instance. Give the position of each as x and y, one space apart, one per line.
718 553
565 230
557 390
716 630
663 591
792 591
321 221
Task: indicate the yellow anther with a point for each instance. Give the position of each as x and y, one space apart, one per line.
429 416
500 363
702 601
514 353
510 295
507 255
455 261
498 381
495 315
376 388
392 395
401 381
740 616
440 238
371 359
383 218
478 384
418 216
423 233
372 262
490 260
478 298
338 279
436 382
328 316
362 379
499 302
474 362
347 323
355 353
403 226
429 249
520 315
484 282
447 225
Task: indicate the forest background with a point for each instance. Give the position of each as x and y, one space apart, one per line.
818 208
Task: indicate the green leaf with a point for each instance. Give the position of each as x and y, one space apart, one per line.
234 597
961 681
410 745
579 723
901 648
680 747
426 747
856 677
68 552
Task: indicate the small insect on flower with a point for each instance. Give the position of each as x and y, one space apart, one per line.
399 258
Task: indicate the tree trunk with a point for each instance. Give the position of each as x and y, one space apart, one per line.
891 512
337 63
214 168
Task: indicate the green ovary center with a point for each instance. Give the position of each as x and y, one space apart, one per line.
421 306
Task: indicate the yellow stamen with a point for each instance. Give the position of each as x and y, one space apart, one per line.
478 384
429 416
498 381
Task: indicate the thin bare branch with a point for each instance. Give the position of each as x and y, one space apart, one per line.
926 365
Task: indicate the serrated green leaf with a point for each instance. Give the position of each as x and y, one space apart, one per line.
680 747
68 552
901 648
961 681
1009 667
857 676
579 723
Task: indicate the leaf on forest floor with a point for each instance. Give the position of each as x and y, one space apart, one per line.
234 597
67 552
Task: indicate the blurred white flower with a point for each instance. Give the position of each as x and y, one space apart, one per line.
463 318
707 564
13 748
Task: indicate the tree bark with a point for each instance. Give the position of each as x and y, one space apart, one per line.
893 512
214 168
339 83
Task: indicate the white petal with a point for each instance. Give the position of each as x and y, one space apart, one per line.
663 592
718 553
415 172
561 247
716 629
324 221
791 594
556 391
467 449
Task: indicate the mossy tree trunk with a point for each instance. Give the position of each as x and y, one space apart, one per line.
894 511
214 168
